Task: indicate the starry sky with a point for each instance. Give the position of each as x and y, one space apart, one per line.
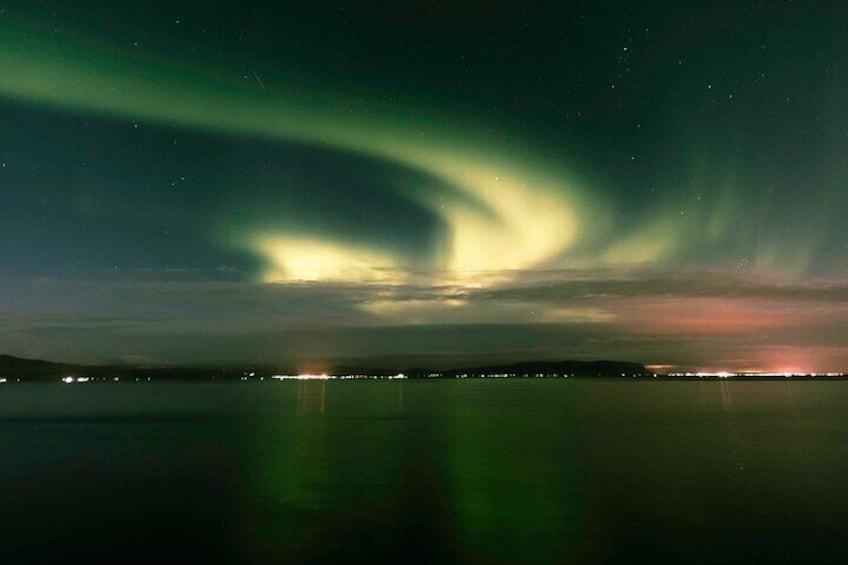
425 182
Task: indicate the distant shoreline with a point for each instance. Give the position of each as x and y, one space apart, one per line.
16 369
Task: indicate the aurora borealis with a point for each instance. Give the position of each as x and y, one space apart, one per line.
428 182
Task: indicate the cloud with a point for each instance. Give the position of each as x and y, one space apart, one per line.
724 321
568 285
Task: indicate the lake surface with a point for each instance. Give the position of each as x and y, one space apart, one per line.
472 471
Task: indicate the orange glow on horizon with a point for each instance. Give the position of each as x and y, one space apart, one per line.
699 316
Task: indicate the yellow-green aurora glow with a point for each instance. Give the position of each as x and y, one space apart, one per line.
518 211
655 200
516 208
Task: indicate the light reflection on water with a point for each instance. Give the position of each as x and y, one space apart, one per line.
436 471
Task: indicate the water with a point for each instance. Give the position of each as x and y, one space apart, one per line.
476 471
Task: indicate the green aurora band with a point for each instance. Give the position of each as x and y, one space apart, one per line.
511 213
509 207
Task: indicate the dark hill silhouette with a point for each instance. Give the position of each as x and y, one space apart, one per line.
19 368
35 369
599 368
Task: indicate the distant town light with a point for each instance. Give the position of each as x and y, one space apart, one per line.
302 377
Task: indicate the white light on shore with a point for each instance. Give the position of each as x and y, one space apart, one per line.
302 377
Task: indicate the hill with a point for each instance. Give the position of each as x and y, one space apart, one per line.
35 369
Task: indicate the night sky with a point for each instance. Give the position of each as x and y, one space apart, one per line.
425 182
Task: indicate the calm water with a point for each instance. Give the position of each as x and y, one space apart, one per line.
506 471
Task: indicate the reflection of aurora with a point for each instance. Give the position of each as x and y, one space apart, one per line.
387 461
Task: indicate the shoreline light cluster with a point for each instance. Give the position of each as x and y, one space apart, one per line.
727 374
325 377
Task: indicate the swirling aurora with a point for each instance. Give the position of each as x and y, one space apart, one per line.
465 233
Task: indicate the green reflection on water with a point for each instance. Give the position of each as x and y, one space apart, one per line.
610 471
327 452
460 464
512 476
